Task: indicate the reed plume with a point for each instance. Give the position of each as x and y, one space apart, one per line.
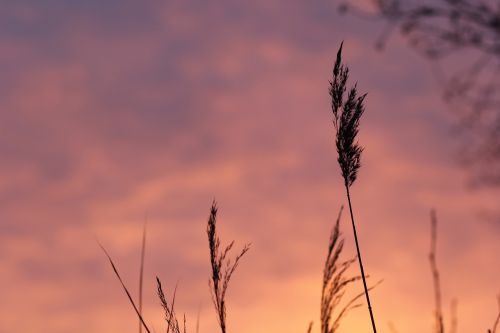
346 116
222 267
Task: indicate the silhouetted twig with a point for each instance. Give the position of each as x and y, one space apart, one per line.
222 268
346 116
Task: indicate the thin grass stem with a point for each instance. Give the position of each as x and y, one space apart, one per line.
125 289
141 270
360 261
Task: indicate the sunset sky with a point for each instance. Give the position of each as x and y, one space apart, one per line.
114 111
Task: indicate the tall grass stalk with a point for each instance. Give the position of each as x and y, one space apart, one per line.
222 267
346 116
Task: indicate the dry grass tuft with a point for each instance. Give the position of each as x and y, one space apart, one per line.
335 284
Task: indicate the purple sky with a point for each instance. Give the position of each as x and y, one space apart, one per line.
111 111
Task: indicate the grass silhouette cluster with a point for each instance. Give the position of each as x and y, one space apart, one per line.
222 270
347 109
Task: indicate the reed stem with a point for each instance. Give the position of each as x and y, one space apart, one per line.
360 261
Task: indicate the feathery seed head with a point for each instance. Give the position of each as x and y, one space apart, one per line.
346 116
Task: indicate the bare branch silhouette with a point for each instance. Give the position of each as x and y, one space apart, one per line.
442 30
